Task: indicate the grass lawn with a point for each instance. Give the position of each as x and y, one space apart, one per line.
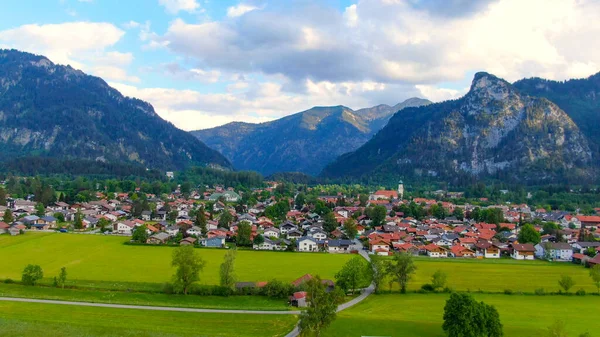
163 300
50 320
420 315
497 275
106 258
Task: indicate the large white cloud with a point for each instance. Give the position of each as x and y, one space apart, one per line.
83 45
175 6
400 41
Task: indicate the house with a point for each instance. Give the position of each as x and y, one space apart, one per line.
557 251
189 241
48 220
271 232
146 215
172 230
14 231
194 230
487 250
30 220
215 242
523 251
434 250
298 299
124 227
380 245
286 227
461 251
229 196
318 234
307 244
4 227
269 244
40 227
335 246
294 234
159 238
589 220
383 194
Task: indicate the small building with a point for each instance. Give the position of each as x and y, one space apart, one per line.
214 242
298 299
308 244
338 246
556 251
189 241
523 251
159 238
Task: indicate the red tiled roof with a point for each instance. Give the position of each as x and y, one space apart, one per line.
302 279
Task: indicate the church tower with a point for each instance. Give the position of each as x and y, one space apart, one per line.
400 190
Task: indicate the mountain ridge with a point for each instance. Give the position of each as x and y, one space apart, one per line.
57 111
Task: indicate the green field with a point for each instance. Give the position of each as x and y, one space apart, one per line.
50 320
497 275
106 258
420 315
148 299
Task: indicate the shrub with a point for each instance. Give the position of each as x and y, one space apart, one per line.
277 289
32 274
427 287
9 281
580 292
447 290
508 292
540 291
168 288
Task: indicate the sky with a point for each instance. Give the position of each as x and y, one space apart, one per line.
204 63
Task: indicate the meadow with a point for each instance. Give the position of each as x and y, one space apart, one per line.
497 275
420 315
50 320
107 261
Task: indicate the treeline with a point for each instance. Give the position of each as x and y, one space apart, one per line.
209 176
32 166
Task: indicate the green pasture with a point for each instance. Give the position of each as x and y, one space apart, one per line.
420 315
54 320
92 259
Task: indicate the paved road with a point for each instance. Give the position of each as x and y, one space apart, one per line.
143 307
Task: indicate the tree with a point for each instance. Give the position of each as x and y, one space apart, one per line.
200 221
2 197
459 213
31 274
350 228
140 234
528 234
401 269
378 271
225 219
321 311
300 200
60 217
62 278
464 317
189 265
377 214
557 329
566 282
595 275
244 234
8 217
351 275
259 239
40 210
329 222
227 269
438 280
103 223
78 223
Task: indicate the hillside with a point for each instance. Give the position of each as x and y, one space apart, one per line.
492 132
579 98
303 142
56 111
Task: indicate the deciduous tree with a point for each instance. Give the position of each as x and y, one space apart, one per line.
401 269
189 265
528 234
321 311
351 275
438 280
227 272
31 274
566 282
595 275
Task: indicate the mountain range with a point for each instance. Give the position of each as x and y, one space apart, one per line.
495 131
56 111
303 142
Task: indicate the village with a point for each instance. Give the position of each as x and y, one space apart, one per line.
176 221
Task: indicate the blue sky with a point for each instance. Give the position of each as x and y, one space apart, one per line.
203 63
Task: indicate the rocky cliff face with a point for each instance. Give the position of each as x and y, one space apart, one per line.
57 111
303 142
493 131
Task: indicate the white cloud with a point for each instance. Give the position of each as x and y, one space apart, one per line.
131 24
436 94
83 45
351 16
239 10
175 6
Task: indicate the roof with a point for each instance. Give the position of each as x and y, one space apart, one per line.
589 218
389 194
299 295
302 279
527 247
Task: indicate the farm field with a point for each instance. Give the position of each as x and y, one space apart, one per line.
105 258
53 320
498 275
148 299
420 315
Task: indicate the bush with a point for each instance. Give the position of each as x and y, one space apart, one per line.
32 274
540 291
580 292
508 292
9 281
447 290
427 287
277 289
168 288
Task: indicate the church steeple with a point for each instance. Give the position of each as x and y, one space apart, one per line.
400 190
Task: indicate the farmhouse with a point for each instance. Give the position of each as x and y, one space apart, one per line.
523 251
308 244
